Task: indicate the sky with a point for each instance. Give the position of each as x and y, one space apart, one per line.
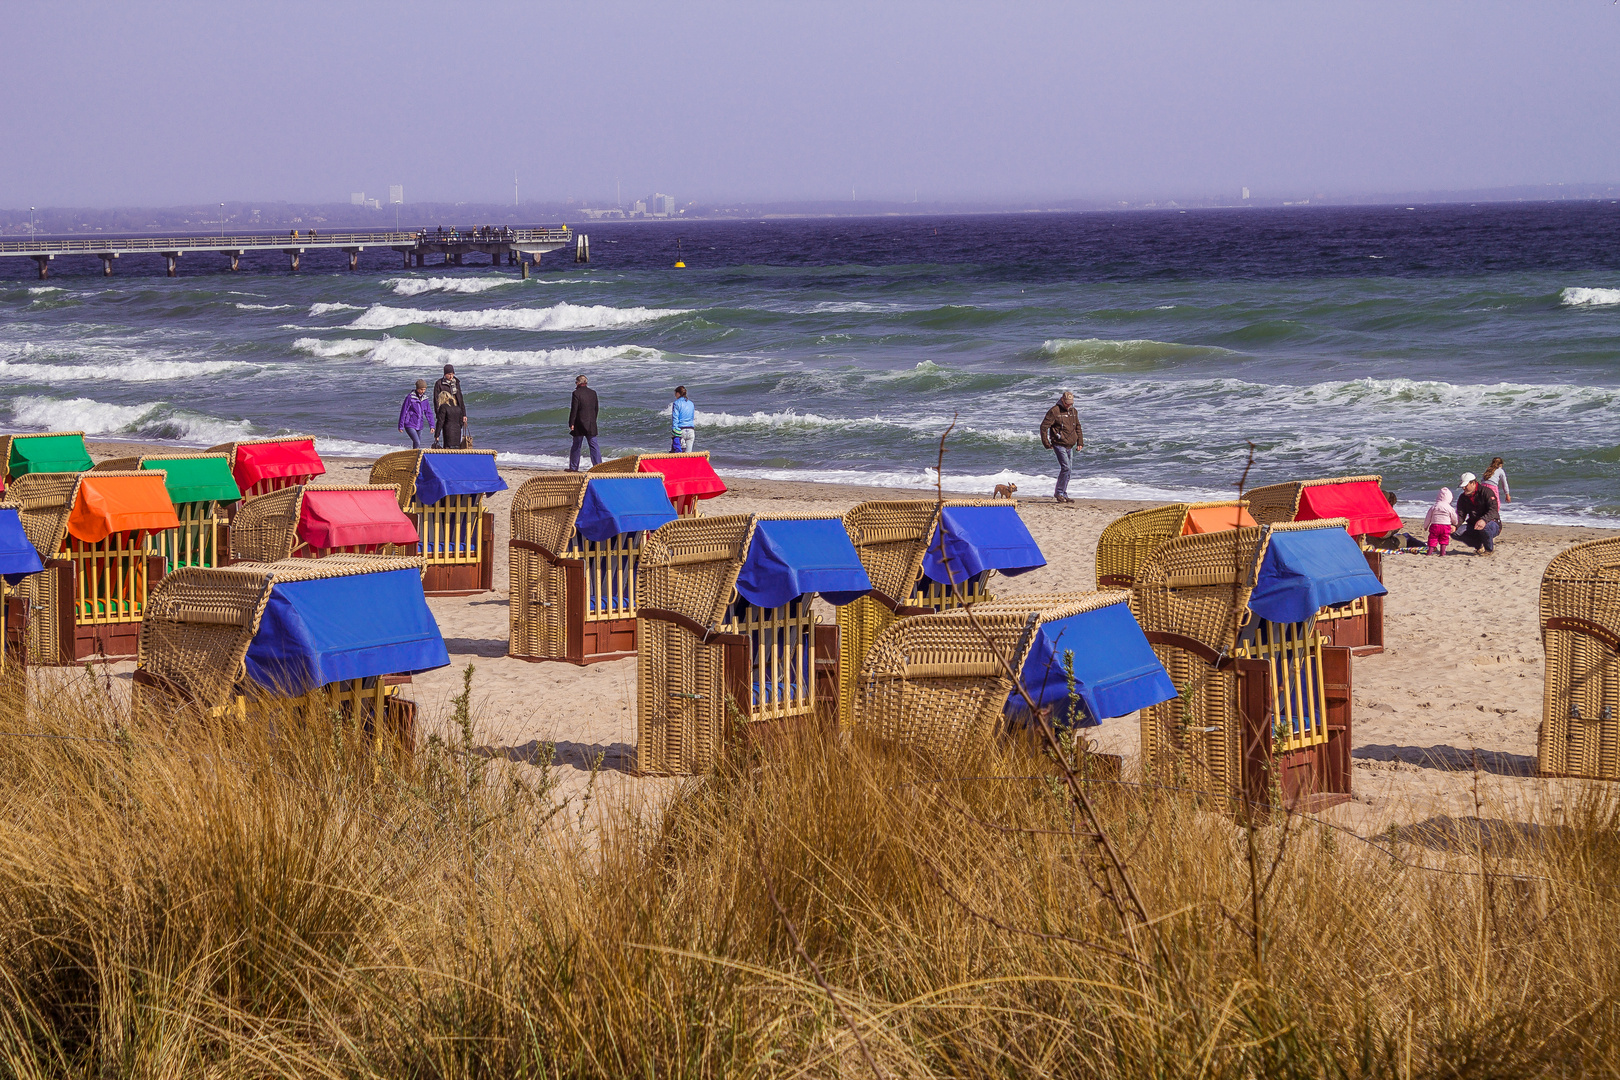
158 104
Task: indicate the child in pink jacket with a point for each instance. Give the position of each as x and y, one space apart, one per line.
1440 519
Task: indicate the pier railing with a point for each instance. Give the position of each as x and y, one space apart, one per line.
320 239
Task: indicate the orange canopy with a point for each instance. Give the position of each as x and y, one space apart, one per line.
107 504
1208 519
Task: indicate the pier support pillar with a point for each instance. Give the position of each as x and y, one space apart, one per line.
172 259
406 255
525 265
457 257
354 258
44 265
495 258
421 258
582 248
106 264
293 255
236 261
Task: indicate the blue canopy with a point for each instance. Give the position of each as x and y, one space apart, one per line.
456 474
978 538
18 558
789 557
621 504
1307 570
317 632
1115 670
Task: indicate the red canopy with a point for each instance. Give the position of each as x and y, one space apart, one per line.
686 476
1369 512
272 460
333 519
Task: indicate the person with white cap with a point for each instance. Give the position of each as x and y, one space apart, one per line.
1481 517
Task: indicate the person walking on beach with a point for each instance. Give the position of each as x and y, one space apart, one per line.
682 422
451 385
1440 520
1481 517
582 423
449 422
416 413
1061 434
1496 480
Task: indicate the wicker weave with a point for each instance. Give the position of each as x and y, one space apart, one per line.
401 468
265 528
685 505
199 623
1127 541
543 513
1580 631
933 683
689 567
44 501
1275 504
6 441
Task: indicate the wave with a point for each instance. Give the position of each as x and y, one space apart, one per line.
1129 353
1029 484
929 427
130 371
152 420
327 309
563 316
264 307
1577 297
403 352
44 290
418 286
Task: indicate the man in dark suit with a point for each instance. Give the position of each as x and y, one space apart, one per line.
582 423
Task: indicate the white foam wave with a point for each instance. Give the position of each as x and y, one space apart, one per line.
154 420
45 290
1576 297
418 286
403 352
129 371
327 309
264 307
1107 352
563 316
787 419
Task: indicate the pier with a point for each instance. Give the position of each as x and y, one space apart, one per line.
513 245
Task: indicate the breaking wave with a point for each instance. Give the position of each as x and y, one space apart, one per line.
1575 297
327 309
1136 352
153 420
264 307
418 286
563 316
403 352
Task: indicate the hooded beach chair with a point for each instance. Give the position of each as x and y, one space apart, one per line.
940 684
688 478
43 452
264 465
1128 540
1360 500
575 547
18 560
899 543
726 636
336 633
97 534
317 520
1580 632
1265 702
200 488
443 492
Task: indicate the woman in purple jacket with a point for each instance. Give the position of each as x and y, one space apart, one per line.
416 413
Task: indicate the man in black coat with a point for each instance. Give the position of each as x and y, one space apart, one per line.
451 385
582 423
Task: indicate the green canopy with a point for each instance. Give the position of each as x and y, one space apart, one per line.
196 479
47 453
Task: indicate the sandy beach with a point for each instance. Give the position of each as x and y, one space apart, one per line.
1451 707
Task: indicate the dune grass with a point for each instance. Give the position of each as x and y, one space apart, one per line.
187 900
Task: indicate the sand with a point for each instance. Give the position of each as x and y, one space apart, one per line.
1447 713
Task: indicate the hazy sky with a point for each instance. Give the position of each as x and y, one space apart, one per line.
162 103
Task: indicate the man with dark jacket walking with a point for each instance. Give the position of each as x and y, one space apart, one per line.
582 423
1061 434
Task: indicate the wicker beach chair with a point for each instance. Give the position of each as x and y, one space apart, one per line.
892 539
573 598
1580 632
298 464
689 477
1262 704
203 536
201 623
90 598
457 533
17 557
1127 541
941 683
43 452
266 527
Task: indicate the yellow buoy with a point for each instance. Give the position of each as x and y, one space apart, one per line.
679 265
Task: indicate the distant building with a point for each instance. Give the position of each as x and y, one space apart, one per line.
638 208
396 194
357 198
374 204
663 205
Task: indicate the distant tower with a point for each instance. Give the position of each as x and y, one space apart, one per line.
514 187
1245 193
396 194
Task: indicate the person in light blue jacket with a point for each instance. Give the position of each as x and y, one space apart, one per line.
683 421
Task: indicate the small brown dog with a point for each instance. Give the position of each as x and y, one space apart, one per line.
1006 491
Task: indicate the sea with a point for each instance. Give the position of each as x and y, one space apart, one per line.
1415 342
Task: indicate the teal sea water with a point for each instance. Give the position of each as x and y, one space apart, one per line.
1415 343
